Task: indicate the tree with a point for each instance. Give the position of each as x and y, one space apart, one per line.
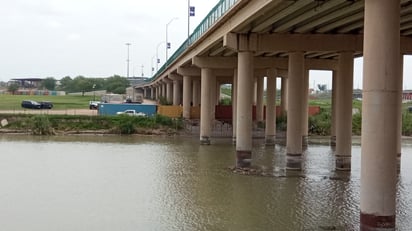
117 84
49 83
322 87
13 88
66 84
82 84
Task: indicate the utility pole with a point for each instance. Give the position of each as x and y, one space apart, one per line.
128 60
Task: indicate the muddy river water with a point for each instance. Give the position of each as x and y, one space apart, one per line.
173 183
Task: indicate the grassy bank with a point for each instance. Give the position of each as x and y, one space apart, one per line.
69 124
13 102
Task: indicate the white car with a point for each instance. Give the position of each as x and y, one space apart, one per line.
131 113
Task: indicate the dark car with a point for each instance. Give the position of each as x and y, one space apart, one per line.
46 105
30 104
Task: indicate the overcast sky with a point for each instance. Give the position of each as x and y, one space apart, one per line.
58 38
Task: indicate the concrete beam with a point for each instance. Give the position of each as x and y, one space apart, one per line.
215 62
293 42
175 77
188 71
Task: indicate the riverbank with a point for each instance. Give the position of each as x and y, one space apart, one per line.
48 123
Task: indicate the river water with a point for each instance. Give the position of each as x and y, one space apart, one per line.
173 183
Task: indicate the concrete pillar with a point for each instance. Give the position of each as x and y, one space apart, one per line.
152 92
187 96
399 136
144 92
177 92
169 91
305 108
283 95
294 121
196 92
244 109
270 130
205 112
259 98
254 91
333 113
234 104
212 94
382 85
164 90
344 94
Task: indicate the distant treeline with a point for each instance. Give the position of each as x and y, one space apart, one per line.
114 84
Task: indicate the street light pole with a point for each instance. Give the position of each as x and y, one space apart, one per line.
157 55
167 41
188 18
128 60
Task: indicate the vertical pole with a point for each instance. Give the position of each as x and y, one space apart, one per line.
333 120
382 86
188 18
294 122
234 104
187 96
344 93
244 112
205 114
305 108
270 131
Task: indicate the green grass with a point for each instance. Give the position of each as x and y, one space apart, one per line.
13 102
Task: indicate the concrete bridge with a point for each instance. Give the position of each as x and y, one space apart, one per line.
242 41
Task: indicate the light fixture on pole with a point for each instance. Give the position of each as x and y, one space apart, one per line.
190 13
168 45
128 60
157 55
154 56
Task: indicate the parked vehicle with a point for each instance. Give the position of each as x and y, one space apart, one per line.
30 104
46 105
131 113
93 105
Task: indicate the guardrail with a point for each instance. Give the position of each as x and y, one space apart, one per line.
214 15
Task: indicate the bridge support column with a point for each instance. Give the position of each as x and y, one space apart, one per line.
382 89
244 109
399 136
294 122
344 112
259 98
283 95
187 96
234 104
176 81
169 91
333 119
152 93
196 92
305 108
164 90
205 112
270 130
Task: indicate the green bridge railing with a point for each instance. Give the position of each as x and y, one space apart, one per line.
214 15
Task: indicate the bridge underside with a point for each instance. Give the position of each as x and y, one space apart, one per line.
262 38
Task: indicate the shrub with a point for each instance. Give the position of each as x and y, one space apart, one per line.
320 124
40 125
